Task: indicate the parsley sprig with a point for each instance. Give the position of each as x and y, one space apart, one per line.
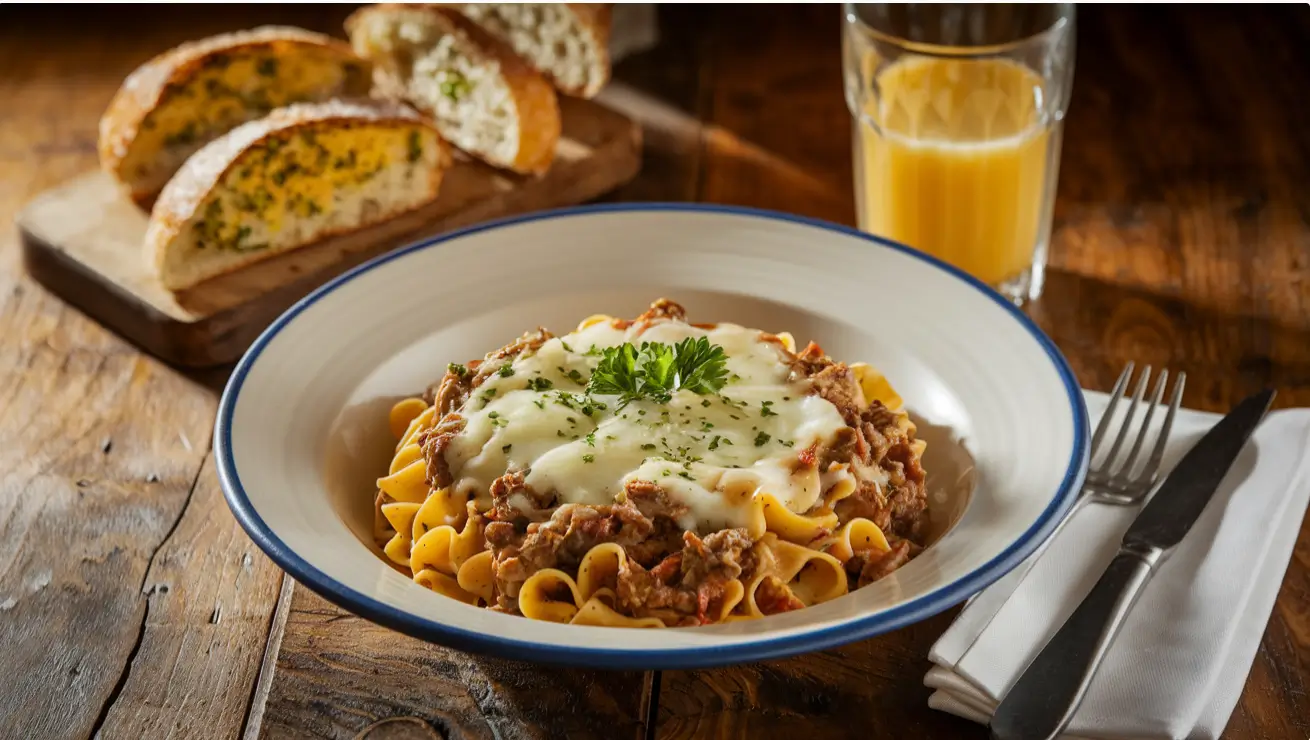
655 370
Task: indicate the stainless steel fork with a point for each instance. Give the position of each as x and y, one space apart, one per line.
1123 484
1110 481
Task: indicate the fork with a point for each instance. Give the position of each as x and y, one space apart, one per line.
1110 482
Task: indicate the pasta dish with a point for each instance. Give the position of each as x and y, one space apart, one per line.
650 473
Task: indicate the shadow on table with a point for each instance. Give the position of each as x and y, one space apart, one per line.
1100 326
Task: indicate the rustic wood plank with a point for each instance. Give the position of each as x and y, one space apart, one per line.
99 452
779 128
99 448
872 688
665 89
210 594
1180 176
341 676
268 666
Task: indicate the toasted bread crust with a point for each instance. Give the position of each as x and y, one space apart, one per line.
534 97
192 184
150 84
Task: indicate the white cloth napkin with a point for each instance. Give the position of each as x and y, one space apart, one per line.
1178 666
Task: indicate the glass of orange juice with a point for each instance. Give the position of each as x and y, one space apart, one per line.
958 112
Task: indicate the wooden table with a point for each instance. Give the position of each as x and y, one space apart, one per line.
132 605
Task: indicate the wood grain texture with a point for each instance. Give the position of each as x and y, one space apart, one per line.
99 452
1183 176
210 595
870 689
342 676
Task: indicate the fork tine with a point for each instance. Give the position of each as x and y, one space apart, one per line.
1138 392
1152 469
1104 424
1126 472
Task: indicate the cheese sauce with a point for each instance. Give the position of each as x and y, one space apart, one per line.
711 453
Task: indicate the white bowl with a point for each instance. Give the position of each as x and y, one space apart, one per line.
302 427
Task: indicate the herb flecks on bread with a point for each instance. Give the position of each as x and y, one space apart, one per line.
482 96
567 42
177 102
289 180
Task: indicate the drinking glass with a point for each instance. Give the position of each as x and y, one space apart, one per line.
957 115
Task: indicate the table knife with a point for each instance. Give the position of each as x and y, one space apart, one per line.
1042 702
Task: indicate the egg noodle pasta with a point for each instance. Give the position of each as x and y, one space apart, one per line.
651 473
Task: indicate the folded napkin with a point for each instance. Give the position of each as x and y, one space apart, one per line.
1178 666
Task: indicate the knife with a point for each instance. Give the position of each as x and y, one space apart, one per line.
1042 702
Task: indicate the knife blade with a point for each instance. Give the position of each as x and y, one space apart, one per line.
1182 497
1043 700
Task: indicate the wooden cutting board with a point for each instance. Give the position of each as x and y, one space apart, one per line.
83 241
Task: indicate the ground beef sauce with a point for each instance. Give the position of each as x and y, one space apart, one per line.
670 569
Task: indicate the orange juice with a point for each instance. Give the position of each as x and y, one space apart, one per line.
953 161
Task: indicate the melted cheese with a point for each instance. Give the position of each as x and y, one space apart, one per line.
711 453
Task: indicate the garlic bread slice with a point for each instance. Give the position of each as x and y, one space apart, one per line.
303 173
482 96
566 42
179 101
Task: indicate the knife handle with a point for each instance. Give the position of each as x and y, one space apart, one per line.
1043 701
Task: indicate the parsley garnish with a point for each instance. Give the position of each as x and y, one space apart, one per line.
539 384
458 369
761 439
565 345
765 410
714 443
648 446
505 370
588 458
655 370
590 439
